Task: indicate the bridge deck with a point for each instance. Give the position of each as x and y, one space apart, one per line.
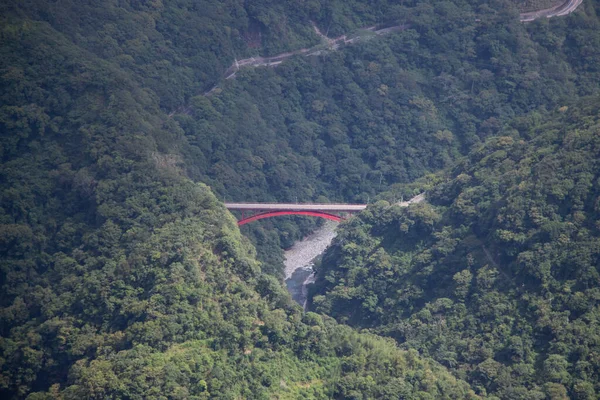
295 207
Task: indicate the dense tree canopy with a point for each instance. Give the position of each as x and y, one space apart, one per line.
123 276
497 275
344 125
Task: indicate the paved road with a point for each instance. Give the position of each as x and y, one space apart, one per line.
561 10
417 199
295 207
558 11
333 44
312 206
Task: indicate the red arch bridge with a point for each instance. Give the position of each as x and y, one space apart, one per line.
334 212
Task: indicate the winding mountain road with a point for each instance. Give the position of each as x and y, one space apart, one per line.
560 10
334 43
330 44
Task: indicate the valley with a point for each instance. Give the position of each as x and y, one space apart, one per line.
129 267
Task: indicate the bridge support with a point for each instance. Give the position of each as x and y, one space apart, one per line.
334 212
269 214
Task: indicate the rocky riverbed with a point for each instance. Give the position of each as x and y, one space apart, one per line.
299 260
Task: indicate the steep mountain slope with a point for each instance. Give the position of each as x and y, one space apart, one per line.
497 275
122 278
344 125
339 126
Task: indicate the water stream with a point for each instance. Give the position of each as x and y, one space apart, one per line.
299 260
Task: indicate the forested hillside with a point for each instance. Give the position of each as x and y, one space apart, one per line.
497 275
123 276
345 125
340 126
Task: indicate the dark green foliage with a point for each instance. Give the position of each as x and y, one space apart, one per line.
535 5
344 125
122 278
496 276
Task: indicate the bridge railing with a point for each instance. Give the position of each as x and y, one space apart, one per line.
296 207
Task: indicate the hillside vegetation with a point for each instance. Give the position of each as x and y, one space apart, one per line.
121 273
345 125
122 278
497 275
535 5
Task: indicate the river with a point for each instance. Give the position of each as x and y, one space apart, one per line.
299 260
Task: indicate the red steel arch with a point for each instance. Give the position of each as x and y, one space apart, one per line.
270 214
